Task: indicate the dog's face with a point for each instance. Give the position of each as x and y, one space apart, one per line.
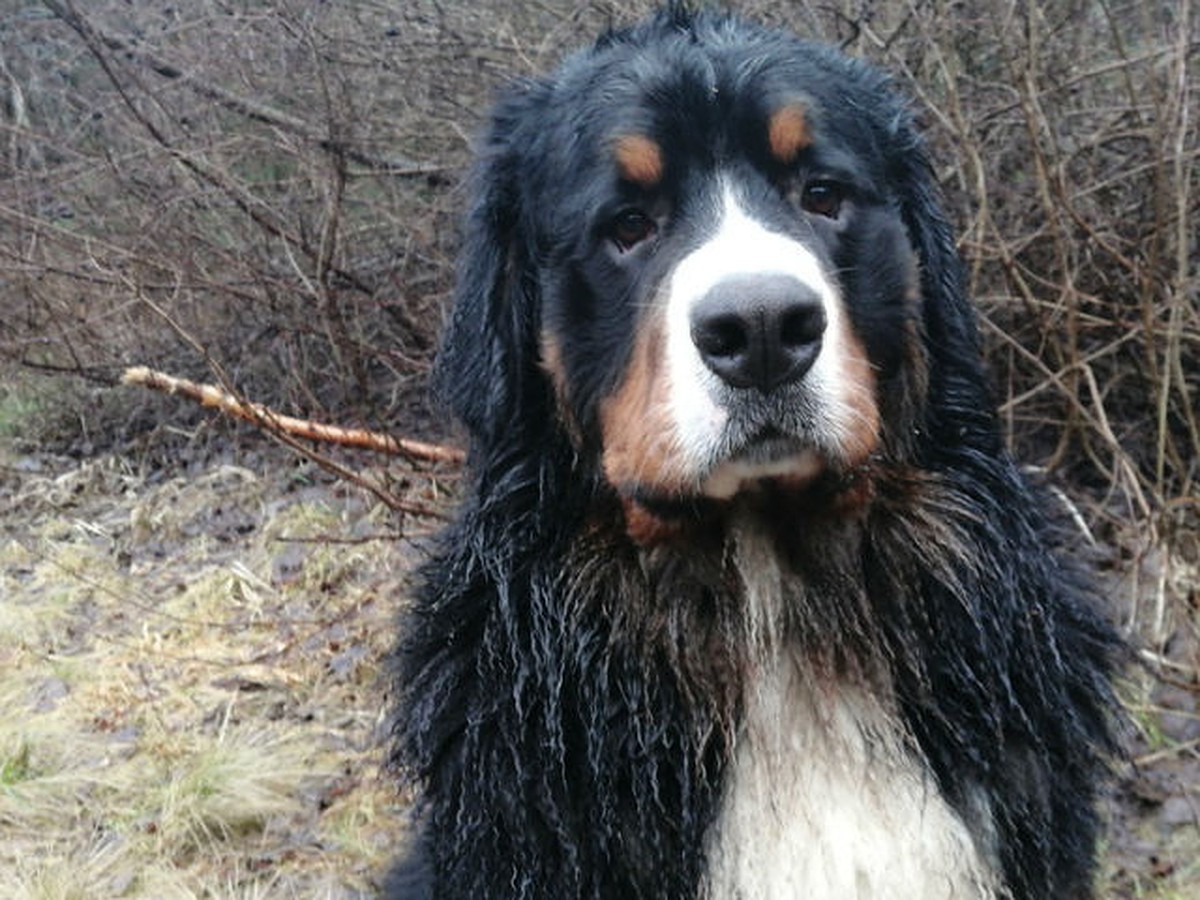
709 230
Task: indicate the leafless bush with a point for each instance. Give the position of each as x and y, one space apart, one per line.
265 189
1073 152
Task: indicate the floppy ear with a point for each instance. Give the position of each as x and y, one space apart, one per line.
486 366
962 404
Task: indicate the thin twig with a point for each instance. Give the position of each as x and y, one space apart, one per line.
211 396
251 109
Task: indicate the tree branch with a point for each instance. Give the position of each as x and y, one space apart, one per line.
251 109
256 413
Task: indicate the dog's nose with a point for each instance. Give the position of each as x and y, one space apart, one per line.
759 331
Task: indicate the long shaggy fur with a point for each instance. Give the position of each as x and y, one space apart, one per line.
572 687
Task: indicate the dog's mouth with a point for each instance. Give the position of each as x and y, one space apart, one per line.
770 468
768 455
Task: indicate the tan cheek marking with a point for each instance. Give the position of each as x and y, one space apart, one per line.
858 379
639 160
636 428
915 385
914 337
902 402
917 378
645 528
788 133
552 365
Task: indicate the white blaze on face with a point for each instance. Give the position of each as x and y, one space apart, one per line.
698 398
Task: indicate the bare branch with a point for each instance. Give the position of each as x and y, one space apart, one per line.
251 109
256 413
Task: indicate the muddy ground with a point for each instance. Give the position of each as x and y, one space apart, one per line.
192 694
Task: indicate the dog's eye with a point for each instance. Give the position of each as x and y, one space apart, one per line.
631 227
823 198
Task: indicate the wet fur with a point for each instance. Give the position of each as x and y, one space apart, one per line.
571 693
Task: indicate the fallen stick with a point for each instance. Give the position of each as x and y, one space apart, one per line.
258 414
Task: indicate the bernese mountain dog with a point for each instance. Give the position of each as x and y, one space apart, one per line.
746 598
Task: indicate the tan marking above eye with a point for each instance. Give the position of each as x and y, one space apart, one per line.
788 132
639 160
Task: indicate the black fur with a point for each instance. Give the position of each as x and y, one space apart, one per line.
569 694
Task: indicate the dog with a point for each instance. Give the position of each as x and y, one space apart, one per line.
746 598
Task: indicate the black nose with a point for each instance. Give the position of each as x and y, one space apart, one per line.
759 331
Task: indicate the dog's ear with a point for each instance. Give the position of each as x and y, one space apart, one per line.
963 404
487 367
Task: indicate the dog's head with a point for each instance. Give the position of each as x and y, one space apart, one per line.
709 254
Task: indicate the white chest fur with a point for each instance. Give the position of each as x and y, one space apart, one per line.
825 799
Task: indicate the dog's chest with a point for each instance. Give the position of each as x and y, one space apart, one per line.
825 800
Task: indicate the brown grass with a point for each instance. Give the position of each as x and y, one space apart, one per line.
191 686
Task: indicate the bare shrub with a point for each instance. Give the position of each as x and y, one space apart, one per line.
267 190
1073 163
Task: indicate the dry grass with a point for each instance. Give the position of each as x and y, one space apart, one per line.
191 692
190 697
